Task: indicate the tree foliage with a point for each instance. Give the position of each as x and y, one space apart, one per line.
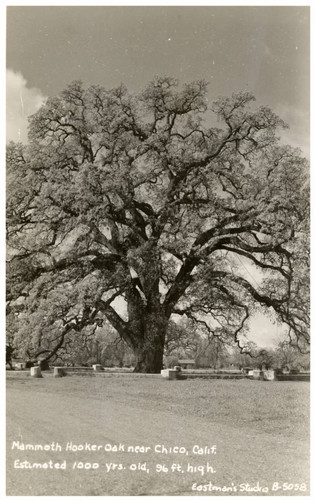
133 208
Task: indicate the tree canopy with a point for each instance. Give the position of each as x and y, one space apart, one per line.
131 209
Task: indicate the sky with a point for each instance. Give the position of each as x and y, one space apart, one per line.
261 49
264 50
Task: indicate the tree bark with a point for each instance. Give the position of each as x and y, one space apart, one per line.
149 350
147 322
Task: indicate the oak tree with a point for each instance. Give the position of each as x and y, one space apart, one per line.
133 209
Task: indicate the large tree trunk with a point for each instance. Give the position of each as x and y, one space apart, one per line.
150 349
148 340
146 327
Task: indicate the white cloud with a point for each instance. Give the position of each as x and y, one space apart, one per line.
21 102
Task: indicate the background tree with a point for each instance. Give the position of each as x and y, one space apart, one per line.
213 353
287 355
102 346
181 339
191 339
132 207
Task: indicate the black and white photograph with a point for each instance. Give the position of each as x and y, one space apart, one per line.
157 241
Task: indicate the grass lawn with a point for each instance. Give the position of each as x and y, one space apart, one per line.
251 437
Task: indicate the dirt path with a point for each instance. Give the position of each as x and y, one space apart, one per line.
242 455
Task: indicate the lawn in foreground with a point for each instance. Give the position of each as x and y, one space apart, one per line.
235 434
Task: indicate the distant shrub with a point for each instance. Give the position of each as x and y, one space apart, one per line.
171 361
